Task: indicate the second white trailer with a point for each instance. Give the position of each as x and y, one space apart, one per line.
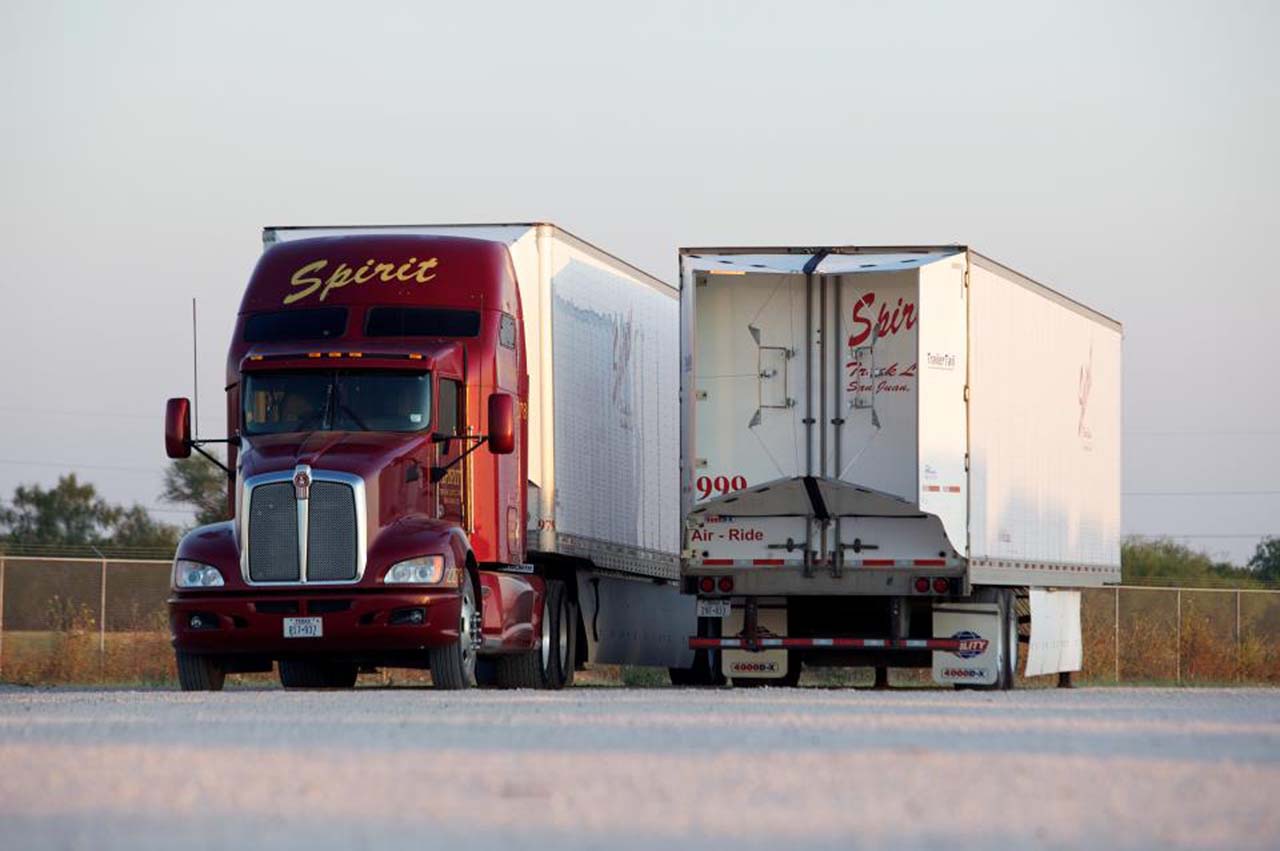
889 455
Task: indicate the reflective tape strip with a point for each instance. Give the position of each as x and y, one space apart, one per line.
767 562
854 643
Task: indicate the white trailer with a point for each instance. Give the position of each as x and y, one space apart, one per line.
602 340
888 456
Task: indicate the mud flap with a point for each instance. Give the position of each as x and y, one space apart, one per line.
977 661
766 664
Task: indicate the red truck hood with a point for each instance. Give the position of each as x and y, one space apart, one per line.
361 453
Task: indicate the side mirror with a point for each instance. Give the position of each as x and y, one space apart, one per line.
502 423
177 428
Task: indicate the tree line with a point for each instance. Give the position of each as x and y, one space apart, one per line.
72 514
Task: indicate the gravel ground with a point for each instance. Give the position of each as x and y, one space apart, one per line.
596 767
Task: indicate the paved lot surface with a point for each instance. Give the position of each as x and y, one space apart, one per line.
594 768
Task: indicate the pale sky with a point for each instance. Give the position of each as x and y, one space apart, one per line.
1124 153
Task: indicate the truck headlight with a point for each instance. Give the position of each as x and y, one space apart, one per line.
423 570
194 574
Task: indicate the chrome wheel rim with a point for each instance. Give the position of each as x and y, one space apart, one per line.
546 636
1011 650
562 646
468 636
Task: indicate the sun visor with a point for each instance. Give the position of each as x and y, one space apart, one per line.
781 496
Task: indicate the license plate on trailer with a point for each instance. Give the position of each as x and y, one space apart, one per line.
303 627
713 608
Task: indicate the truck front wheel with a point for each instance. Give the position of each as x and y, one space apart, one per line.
454 666
200 673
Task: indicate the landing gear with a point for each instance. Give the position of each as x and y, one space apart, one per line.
551 665
453 666
703 672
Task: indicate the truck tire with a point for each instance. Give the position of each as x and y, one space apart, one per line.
200 673
1006 674
1008 679
453 667
317 673
551 664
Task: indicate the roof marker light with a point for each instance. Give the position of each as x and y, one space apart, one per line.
415 356
313 354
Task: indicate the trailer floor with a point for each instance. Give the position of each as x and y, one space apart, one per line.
614 768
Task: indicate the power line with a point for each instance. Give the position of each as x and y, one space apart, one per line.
66 413
1204 535
75 466
1201 493
1207 433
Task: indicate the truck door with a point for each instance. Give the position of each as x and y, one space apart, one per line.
449 421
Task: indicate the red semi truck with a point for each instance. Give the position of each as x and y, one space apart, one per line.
451 447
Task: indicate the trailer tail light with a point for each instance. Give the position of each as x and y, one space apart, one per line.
922 585
726 584
706 585
941 585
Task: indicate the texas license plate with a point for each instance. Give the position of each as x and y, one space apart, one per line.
713 608
303 627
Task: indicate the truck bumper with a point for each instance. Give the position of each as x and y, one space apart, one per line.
382 622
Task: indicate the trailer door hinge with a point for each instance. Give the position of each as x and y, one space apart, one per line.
966 462
966 392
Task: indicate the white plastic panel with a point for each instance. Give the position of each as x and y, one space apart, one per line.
615 351
1044 421
1056 640
942 420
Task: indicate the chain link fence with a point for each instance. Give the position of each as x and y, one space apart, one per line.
1135 634
84 620
90 620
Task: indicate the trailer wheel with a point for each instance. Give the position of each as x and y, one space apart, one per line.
453 666
1006 675
200 673
317 673
550 665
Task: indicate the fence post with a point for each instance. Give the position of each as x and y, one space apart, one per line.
1178 673
1239 642
1 614
1117 635
102 613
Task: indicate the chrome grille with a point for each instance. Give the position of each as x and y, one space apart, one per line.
331 533
273 534
318 539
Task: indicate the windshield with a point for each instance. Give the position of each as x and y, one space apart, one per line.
341 400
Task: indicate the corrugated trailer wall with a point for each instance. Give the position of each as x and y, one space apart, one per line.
615 350
1044 434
